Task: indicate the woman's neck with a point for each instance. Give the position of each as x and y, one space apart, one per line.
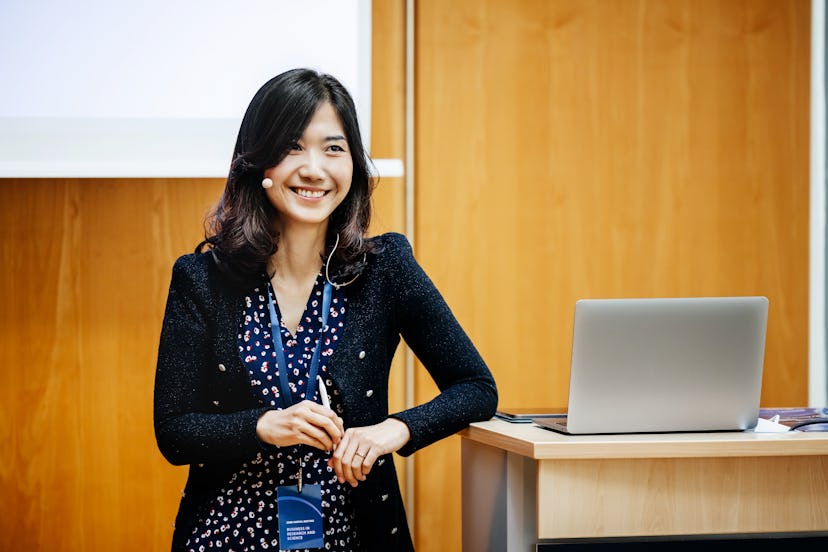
294 267
298 257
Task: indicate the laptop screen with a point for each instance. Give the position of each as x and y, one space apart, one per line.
666 364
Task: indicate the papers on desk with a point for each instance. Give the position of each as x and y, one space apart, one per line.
770 426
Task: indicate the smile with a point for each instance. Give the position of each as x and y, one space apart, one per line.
309 193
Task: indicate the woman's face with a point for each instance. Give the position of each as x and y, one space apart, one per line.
315 176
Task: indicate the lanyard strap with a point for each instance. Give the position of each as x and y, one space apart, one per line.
278 347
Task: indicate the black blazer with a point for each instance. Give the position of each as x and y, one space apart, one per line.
206 412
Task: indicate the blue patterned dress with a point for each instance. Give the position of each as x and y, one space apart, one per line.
244 515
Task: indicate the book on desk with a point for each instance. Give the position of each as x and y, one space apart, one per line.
798 418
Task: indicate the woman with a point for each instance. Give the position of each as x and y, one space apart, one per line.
301 457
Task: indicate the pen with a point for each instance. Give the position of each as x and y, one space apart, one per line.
323 393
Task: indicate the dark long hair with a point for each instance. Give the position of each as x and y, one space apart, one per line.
240 230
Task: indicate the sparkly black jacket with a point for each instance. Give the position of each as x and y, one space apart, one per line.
206 410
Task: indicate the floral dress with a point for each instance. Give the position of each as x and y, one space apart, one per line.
244 514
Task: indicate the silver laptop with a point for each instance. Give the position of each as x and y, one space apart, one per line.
665 365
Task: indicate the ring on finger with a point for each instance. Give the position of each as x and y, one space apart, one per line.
359 454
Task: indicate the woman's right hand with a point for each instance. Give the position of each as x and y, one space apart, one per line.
304 423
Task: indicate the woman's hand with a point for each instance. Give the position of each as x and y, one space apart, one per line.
304 423
361 446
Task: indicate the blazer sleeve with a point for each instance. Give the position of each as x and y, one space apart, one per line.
467 389
186 431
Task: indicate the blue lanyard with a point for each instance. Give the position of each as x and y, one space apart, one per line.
276 334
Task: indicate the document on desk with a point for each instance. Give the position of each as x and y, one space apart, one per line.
770 426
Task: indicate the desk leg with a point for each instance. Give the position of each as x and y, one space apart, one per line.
499 500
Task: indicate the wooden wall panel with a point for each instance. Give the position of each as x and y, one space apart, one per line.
388 110
86 270
388 142
568 149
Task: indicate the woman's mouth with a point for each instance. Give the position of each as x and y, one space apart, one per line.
311 194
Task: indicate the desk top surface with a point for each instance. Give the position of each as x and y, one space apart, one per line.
535 442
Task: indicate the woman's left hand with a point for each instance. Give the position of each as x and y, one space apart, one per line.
360 447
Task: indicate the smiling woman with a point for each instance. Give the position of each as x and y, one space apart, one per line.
315 176
278 338
299 132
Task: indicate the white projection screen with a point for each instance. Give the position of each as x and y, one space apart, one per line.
157 88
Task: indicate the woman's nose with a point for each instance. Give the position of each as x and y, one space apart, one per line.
313 167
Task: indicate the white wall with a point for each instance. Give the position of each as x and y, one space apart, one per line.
158 87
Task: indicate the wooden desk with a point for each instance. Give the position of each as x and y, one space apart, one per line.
524 485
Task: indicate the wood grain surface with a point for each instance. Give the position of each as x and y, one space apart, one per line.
86 267
682 496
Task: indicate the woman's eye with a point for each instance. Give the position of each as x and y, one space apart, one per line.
336 148
295 146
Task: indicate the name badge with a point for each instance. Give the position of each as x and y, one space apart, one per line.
300 517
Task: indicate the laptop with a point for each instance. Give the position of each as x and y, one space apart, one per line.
665 365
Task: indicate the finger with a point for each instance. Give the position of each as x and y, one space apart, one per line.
327 424
301 431
340 424
347 466
335 461
347 461
358 463
326 417
368 462
338 429
322 417
313 436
